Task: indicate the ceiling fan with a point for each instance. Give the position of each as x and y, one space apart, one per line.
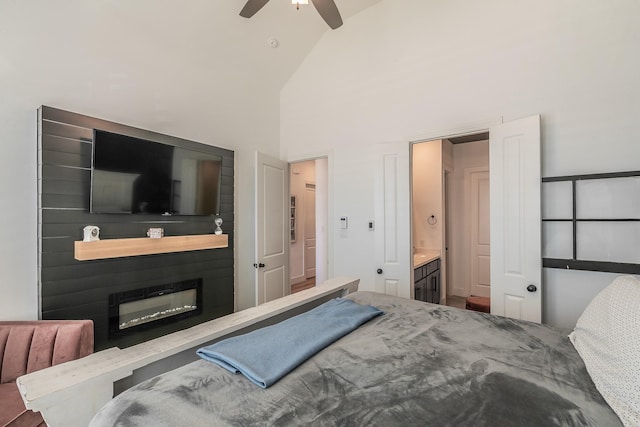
326 8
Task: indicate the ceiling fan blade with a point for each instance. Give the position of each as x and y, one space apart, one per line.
329 12
251 7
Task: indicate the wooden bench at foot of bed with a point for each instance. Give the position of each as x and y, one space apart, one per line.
69 394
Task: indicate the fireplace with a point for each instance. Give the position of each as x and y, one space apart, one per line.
145 308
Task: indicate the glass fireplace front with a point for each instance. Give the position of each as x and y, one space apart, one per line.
153 306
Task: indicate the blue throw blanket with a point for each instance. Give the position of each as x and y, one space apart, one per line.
266 355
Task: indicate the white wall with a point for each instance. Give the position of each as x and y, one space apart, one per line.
427 195
146 64
405 70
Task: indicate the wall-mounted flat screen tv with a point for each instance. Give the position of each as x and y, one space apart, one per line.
138 176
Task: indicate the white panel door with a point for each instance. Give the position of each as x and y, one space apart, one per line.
480 236
272 228
393 220
516 260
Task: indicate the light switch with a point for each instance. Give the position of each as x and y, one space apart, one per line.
372 225
344 222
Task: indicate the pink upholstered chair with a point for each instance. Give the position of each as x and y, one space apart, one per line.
28 346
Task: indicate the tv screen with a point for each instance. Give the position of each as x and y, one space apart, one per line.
138 176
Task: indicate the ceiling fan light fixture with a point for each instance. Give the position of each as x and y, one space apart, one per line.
326 8
299 2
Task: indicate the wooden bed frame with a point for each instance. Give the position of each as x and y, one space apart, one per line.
70 394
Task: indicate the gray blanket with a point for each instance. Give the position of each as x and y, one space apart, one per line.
419 364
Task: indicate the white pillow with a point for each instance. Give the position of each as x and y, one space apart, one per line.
607 337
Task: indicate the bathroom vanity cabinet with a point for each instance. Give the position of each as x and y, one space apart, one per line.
427 282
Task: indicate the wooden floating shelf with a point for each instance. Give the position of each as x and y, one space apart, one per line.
118 248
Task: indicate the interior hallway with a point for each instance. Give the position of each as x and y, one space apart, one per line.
309 283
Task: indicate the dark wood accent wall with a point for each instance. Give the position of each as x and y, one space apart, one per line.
71 289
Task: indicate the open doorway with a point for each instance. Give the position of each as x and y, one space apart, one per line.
308 186
450 207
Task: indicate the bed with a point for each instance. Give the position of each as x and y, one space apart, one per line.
417 364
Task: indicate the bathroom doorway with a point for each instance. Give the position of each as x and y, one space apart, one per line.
450 207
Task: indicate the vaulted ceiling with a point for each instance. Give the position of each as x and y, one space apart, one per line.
193 68
245 44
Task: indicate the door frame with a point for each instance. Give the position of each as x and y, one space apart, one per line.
328 252
499 128
448 220
463 130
